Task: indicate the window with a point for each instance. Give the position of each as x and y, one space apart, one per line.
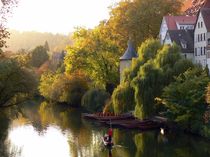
204 50
201 51
209 41
201 24
204 36
198 37
195 51
184 45
198 51
201 37
198 24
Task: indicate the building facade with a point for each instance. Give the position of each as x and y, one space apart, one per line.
184 39
200 36
176 23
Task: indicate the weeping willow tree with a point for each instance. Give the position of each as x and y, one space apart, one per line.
123 97
154 75
154 69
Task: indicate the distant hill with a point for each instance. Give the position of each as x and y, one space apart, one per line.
29 40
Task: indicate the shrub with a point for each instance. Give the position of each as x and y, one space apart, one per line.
63 88
95 99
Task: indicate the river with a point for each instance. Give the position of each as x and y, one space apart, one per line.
40 129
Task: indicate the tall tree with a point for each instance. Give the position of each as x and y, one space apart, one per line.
46 46
140 19
39 56
95 55
16 82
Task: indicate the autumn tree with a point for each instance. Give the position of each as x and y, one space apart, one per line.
5 10
95 55
39 56
140 19
63 88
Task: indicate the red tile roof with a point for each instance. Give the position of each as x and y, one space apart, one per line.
171 21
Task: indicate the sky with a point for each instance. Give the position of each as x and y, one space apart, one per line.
58 16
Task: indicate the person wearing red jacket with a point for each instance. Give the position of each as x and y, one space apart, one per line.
110 133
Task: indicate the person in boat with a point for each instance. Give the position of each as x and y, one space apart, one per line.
110 132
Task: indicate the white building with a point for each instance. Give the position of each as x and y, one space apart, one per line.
176 23
184 39
202 36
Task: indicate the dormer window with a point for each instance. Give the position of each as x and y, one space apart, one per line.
183 44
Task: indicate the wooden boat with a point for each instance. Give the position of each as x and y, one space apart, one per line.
135 124
124 121
107 117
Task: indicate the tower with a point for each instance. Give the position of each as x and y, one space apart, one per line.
126 59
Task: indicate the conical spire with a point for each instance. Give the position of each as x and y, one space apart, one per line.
130 52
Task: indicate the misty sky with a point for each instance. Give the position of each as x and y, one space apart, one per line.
58 16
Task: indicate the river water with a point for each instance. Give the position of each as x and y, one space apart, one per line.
39 129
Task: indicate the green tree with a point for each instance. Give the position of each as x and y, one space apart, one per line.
94 55
208 94
46 46
123 98
185 99
39 56
16 83
63 88
155 68
94 100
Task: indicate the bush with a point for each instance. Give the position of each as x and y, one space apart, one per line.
95 99
63 88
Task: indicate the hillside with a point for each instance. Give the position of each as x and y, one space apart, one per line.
29 40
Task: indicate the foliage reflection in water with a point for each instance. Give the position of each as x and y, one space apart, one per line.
52 130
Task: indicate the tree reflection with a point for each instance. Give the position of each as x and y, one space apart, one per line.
146 144
84 138
6 149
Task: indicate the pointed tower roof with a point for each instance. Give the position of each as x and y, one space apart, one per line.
130 52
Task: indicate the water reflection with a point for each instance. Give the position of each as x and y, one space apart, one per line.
32 144
44 130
